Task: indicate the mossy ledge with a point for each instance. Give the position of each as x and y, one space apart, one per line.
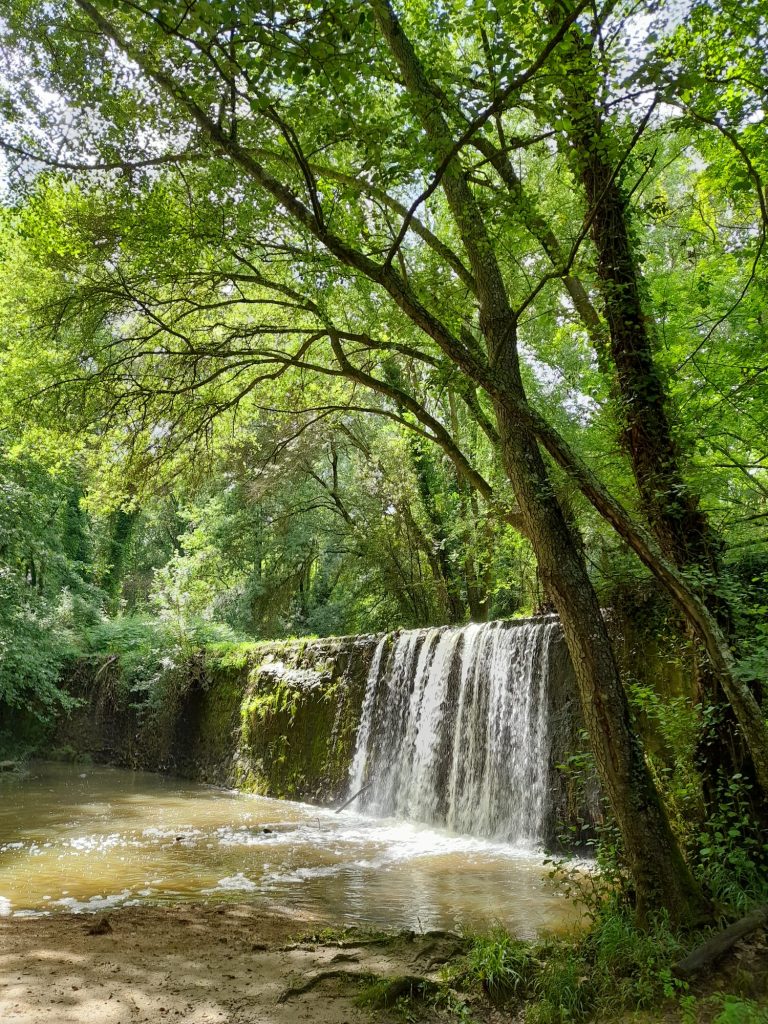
278 718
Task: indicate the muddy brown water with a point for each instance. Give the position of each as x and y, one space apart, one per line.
86 839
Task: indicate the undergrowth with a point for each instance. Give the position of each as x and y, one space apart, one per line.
146 646
612 966
730 851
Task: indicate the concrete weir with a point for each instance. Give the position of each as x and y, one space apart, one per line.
459 727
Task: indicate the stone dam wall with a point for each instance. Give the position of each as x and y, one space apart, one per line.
277 718
281 718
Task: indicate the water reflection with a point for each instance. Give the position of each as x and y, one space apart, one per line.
88 838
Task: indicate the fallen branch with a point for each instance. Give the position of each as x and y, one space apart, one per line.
713 949
354 797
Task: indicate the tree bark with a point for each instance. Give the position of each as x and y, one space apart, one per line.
660 874
748 712
671 508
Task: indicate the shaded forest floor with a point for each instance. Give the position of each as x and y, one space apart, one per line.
242 964
230 964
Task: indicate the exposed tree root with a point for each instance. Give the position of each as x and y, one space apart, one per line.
439 933
351 942
442 955
386 991
319 976
442 958
345 958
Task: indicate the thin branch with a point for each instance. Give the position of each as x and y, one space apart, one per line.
498 103
170 159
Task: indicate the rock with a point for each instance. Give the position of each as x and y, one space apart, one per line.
8 766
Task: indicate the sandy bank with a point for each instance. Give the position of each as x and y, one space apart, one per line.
197 964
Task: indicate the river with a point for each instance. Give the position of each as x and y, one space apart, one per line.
84 839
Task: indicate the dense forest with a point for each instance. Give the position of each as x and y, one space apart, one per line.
345 317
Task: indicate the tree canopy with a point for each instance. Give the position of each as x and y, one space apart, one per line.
346 314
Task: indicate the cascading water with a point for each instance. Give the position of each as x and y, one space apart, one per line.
455 729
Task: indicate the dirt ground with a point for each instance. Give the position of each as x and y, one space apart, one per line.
202 965
238 964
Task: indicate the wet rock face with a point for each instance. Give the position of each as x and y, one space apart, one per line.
574 806
298 720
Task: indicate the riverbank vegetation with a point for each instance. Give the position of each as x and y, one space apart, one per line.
359 316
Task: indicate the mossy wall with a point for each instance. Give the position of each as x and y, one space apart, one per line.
277 718
281 717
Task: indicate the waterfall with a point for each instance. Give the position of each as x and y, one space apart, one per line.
454 729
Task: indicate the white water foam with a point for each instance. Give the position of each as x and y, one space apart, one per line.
454 730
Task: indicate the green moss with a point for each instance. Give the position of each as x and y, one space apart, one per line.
214 727
274 717
385 993
248 779
232 655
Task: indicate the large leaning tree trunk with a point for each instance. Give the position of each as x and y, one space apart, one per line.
671 508
708 624
661 877
659 872
683 537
